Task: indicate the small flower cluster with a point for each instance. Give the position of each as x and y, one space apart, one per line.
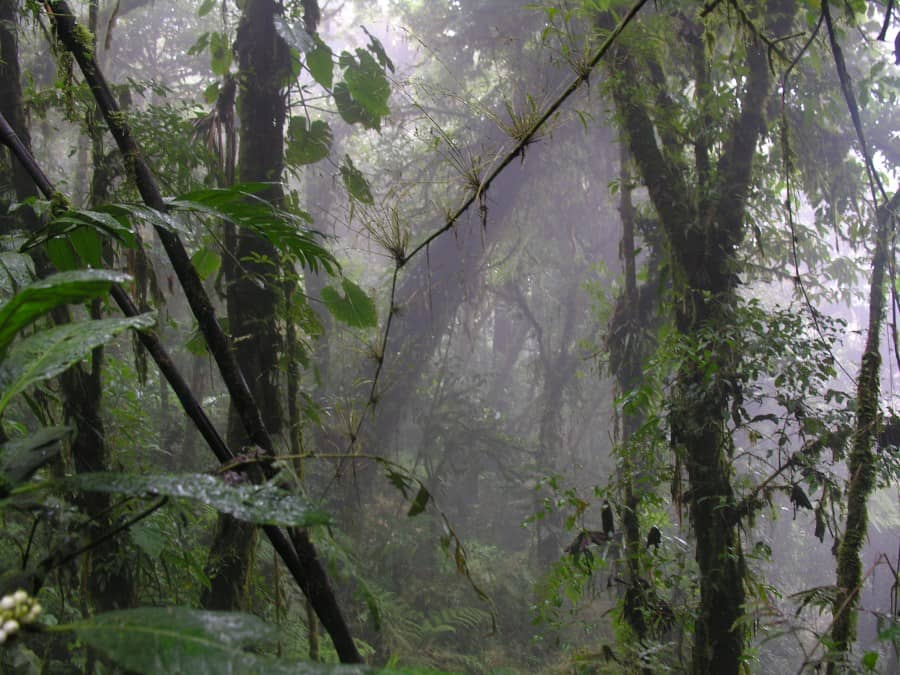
15 610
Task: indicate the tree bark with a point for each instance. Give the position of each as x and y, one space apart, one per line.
704 226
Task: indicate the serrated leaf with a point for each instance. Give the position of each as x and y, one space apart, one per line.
320 62
21 457
40 297
207 262
220 55
48 353
355 182
155 640
259 504
307 143
354 307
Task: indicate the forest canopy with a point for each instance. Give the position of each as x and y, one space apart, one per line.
452 336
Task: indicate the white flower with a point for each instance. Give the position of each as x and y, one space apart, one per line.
20 596
7 602
34 612
10 626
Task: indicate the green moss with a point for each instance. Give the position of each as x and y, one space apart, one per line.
85 39
59 203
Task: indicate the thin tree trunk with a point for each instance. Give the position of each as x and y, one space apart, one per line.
861 463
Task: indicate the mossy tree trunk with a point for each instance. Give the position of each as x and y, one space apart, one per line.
701 207
861 463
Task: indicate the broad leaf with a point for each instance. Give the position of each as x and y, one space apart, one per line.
351 111
40 297
219 54
320 63
355 182
354 307
260 504
378 50
180 640
366 81
21 457
207 262
107 221
48 353
307 143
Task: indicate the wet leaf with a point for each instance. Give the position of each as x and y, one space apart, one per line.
40 297
180 640
259 504
21 457
50 352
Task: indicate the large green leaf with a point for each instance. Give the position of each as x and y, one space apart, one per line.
354 307
366 81
220 54
351 111
21 457
83 230
180 640
288 232
259 504
320 63
355 182
307 143
48 353
41 296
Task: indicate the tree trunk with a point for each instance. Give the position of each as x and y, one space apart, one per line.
251 276
861 463
704 225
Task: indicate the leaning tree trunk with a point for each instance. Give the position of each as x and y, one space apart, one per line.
251 275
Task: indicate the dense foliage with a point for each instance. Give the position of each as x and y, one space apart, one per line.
458 336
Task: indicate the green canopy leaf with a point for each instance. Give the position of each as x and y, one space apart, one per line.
354 307
307 143
355 182
260 504
288 232
320 63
